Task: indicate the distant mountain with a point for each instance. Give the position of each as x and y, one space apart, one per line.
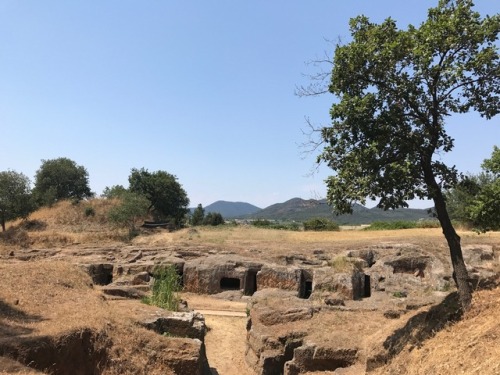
230 210
298 209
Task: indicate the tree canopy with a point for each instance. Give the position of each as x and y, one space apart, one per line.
168 200
59 179
395 88
132 210
476 199
198 215
15 196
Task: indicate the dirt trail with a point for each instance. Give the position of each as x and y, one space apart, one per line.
226 339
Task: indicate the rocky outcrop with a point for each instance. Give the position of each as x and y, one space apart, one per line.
216 274
281 277
179 324
353 285
311 357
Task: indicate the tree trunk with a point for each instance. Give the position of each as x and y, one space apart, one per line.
460 271
461 276
2 220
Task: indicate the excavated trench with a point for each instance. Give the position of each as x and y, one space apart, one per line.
81 352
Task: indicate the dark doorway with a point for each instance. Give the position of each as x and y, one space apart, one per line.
250 283
308 289
229 283
368 288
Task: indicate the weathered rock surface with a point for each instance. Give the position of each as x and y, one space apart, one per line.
180 324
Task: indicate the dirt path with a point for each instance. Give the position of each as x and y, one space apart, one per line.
226 339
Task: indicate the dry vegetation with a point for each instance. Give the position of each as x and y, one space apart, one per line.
43 298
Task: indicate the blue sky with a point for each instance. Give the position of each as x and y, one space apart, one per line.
201 89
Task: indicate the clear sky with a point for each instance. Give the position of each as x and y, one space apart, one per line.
201 89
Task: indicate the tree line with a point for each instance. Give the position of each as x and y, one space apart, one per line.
157 195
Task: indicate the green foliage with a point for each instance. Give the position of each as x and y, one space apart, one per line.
475 201
132 210
213 218
89 211
279 225
320 224
400 294
166 287
198 215
262 223
395 88
168 200
114 191
15 196
391 225
59 179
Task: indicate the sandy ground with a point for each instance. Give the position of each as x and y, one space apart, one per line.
226 339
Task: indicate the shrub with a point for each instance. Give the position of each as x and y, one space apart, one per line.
213 218
15 237
166 286
89 211
391 225
320 224
262 223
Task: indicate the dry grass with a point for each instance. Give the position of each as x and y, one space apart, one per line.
471 346
48 298
65 224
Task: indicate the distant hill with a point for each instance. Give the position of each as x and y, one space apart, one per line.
230 210
298 209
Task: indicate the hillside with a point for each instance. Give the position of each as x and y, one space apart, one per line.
231 210
298 209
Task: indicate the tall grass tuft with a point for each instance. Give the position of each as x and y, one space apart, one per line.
166 287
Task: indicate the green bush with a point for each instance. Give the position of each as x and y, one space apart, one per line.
213 218
391 225
166 287
268 224
320 224
262 223
89 211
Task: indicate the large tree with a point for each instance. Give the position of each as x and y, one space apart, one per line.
59 179
395 88
168 200
15 196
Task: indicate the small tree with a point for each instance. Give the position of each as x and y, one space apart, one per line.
198 215
168 200
320 224
59 179
476 199
214 219
395 88
132 210
15 196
